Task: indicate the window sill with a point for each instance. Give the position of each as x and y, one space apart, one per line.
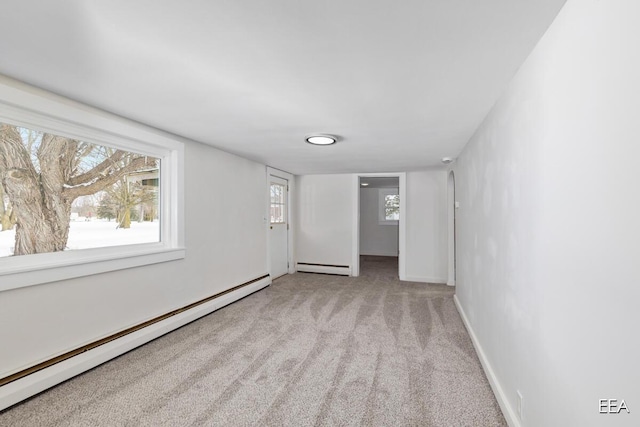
72 264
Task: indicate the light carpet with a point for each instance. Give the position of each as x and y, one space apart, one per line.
310 350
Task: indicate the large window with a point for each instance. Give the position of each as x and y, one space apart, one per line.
61 193
82 192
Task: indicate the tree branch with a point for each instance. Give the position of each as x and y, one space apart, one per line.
99 170
71 193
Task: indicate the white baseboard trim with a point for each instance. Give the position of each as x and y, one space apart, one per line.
425 279
507 410
28 386
326 269
451 283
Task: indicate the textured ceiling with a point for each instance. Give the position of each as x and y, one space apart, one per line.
402 83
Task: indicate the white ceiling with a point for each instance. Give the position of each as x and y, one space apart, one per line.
403 83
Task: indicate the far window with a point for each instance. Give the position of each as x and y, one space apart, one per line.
59 193
389 206
278 204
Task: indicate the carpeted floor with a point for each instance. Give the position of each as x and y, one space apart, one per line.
310 350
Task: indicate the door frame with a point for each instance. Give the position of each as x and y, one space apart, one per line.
402 223
290 217
451 227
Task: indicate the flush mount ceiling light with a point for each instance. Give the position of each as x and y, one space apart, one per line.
322 139
364 184
447 160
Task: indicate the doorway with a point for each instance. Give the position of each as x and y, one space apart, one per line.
279 222
395 196
379 223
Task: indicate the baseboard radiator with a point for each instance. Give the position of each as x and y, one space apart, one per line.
35 379
307 267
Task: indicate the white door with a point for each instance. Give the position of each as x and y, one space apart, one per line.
279 225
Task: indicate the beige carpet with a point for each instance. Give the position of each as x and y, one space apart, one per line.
309 350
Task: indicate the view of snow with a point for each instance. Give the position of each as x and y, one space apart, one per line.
95 233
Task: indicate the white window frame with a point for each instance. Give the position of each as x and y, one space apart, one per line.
382 194
32 108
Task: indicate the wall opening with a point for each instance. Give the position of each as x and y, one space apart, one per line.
395 211
379 223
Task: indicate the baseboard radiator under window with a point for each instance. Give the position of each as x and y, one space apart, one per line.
307 267
141 334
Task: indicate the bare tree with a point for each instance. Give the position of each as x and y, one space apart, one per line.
7 214
85 206
42 176
127 200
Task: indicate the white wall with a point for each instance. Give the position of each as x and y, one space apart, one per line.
324 217
426 257
375 238
226 246
548 226
325 209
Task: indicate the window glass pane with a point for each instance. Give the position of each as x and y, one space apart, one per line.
392 207
277 193
58 193
278 206
276 214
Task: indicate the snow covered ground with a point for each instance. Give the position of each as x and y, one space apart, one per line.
95 234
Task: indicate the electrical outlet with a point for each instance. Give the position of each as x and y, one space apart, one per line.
519 408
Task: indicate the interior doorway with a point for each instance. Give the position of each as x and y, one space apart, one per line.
389 209
379 223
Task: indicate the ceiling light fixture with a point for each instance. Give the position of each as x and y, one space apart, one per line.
364 184
447 160
322 139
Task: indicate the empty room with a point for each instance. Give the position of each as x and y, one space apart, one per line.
328 213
